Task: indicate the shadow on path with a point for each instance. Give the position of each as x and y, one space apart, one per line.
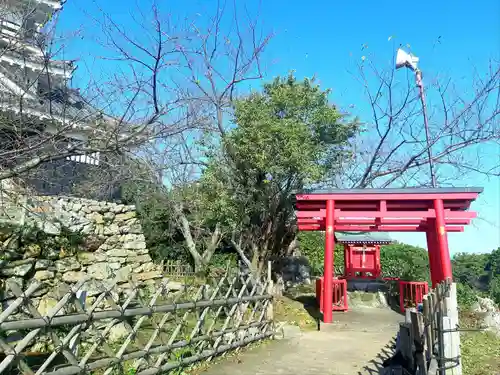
375 365
310 305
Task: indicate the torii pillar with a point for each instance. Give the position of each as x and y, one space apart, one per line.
328 262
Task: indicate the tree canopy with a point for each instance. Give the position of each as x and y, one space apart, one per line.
286 137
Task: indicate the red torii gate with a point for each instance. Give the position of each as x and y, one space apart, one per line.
433 211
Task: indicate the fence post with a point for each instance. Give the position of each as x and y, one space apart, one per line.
81 295
451 339
270 290
428 327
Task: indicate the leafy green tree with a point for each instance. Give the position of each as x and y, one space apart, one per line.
493 269
405 261
287 137
469 269
466 295
312 246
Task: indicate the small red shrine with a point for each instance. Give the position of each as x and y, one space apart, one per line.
362 254
434 212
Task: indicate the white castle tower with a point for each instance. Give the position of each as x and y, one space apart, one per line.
26 69
34 87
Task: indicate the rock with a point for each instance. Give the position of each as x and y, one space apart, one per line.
49 227
125 216
96 287
17 268
114 266
137 244
175 286
109 216
87 229
43 264
133 229
99 229
97 218
16 280
46 305
120 260
100 208
41 291
92 243
484 305
9 254
113 240
32 251
99 271
118 332
111 229
106 246
73 276
119 253
43 275
87 258
52 253
138 268
294 270
67 264
117 208
11 243
76 207
123 274
59 290
148 275
139 259
490 316
148 267
76 227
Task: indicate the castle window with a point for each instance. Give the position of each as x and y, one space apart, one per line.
92 158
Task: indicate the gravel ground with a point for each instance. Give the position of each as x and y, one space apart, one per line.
355 344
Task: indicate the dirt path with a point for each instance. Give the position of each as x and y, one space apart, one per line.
355 344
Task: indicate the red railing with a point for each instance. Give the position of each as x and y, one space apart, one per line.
340 300
411 293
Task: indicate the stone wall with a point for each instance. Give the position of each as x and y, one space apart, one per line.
111 247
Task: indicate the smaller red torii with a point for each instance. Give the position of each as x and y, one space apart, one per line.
433 211
362 254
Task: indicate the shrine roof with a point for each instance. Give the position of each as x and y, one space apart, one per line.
444 190
455 198
364 238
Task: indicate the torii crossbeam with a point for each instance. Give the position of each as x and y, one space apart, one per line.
433 211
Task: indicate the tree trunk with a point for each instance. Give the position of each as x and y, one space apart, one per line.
294 245
190 244
212 246
239 250
198 265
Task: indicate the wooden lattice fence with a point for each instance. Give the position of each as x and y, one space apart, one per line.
429 339
136 328
178 269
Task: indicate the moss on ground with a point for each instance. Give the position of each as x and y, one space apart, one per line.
294 313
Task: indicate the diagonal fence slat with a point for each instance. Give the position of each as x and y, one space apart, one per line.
162 327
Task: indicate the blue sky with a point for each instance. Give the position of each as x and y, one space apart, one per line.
324 38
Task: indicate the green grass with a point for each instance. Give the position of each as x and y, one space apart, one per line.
480 353
480 350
